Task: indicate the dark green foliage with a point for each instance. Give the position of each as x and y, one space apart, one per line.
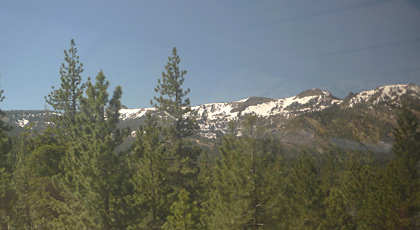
357 182
6 190
227 198
243 181
172 100
5 141
6 198
203 190
37 158
38 201
150 176
177 123
335 215
407 141
47 154
165 142
305 194
184 214
92 167
66 99
397 205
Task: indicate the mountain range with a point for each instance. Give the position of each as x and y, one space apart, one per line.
312 118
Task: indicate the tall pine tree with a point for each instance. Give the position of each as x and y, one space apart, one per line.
150 176
359 179
65 100
173 100
39 200
93 167
5 173
243 182
177 123
184 214
398 198
304 194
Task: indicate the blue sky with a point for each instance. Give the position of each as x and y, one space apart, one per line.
231 49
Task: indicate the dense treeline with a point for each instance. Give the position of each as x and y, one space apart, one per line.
72 175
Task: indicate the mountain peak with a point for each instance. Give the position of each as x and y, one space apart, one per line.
313 92
215 117
251 101
257 100
389 93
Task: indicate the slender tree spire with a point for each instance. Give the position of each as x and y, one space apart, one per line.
66 99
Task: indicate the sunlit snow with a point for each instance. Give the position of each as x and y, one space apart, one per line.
213 117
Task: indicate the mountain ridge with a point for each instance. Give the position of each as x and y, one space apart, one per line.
312 116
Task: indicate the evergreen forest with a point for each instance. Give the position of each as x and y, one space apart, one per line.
73 175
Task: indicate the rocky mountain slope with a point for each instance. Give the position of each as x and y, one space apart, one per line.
362 121
313 117
391 95
215 117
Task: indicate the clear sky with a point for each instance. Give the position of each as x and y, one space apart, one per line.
231 49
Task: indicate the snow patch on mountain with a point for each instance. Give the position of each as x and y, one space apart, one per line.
294 105
133 113
22 122
388 93
216 116
213 117
214 111
263 110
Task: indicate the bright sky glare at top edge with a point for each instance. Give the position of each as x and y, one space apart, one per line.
231 49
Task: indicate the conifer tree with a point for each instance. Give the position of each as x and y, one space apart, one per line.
406 145
276 202
39 200
5 142
359 187
5 173
184 214
150 176
93 169
177 123
334 203
21 182
5 199
243 186
228 196
336 216
204 190
65 100
172 99
398 205
304 194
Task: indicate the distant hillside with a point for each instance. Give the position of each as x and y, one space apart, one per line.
312 118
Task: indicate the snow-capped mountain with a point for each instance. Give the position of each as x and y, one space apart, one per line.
38 119
391 94
126 114
214 118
